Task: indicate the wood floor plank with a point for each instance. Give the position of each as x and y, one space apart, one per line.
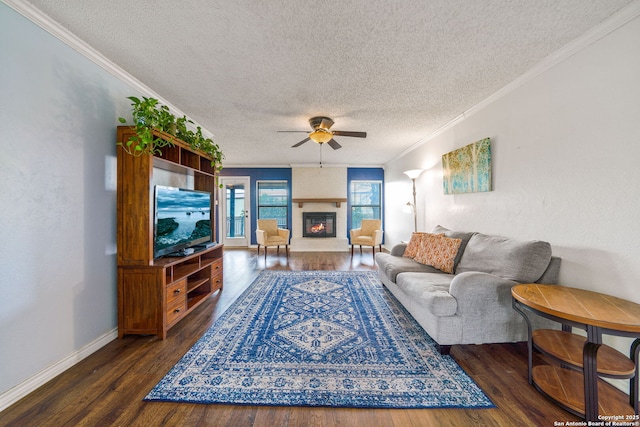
107 388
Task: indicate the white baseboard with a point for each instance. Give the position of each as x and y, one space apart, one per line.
16 393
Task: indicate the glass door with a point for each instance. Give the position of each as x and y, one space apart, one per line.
235 199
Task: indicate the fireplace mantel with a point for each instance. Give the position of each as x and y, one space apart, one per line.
301 202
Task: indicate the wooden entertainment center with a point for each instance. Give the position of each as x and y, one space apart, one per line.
155 294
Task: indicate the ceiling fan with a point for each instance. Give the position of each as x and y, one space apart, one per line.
321 133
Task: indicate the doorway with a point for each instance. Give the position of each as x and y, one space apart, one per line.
235 214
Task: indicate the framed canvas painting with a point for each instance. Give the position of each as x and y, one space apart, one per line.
468 169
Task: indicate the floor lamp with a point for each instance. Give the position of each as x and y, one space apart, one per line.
413 174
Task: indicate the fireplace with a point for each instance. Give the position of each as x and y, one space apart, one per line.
318 224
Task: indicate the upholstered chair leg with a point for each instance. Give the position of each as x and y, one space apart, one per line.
351 251
360 249
286 248
265 255
258 249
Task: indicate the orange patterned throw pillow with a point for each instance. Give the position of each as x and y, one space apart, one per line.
414 244
438 251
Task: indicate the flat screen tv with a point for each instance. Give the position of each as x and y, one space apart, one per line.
182 219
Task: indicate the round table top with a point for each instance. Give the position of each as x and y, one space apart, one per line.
580 305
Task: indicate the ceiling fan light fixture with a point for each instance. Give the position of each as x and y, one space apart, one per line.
321 136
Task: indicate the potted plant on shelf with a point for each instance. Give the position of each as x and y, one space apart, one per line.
197 141
182 131
207 146
166 120
148 115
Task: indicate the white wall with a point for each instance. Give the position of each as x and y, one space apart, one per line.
565 154
319 183
58 116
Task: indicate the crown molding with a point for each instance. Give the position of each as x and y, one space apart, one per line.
36 16
615 21
43 21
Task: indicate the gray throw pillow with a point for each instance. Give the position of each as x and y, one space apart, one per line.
523 262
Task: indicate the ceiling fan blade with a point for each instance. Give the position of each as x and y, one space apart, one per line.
334 144
300 143
348 133
326 123
296 131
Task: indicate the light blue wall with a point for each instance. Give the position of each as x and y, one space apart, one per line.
58 116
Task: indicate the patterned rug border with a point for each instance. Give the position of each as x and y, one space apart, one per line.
169 388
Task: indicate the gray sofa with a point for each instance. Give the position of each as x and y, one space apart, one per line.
473 305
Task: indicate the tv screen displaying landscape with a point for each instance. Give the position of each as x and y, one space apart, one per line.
182 219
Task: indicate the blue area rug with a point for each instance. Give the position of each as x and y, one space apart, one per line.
318 338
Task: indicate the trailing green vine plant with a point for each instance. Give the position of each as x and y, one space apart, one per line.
207 146
166 120
148 115
182 131
197 141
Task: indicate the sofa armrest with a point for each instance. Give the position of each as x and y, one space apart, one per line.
354 232
398 250
284 232
261 237
479 294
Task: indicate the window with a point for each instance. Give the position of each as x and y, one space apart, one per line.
365 201
235 210
273 201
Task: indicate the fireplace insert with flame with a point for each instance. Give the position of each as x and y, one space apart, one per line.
319 224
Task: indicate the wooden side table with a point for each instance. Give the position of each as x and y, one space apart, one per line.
576 384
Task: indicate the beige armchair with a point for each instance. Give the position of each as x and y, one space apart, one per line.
268 234
369 234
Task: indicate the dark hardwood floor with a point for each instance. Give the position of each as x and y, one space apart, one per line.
107 388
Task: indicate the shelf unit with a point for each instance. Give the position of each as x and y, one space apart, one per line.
574 377
564 381
155 294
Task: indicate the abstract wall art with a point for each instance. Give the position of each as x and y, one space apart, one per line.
468 169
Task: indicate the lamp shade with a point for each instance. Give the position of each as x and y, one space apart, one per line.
321 136
413 173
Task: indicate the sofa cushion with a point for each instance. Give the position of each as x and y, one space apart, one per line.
464 236
394 265
523 262
429 290
438 251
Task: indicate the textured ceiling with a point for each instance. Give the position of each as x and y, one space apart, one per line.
398 70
